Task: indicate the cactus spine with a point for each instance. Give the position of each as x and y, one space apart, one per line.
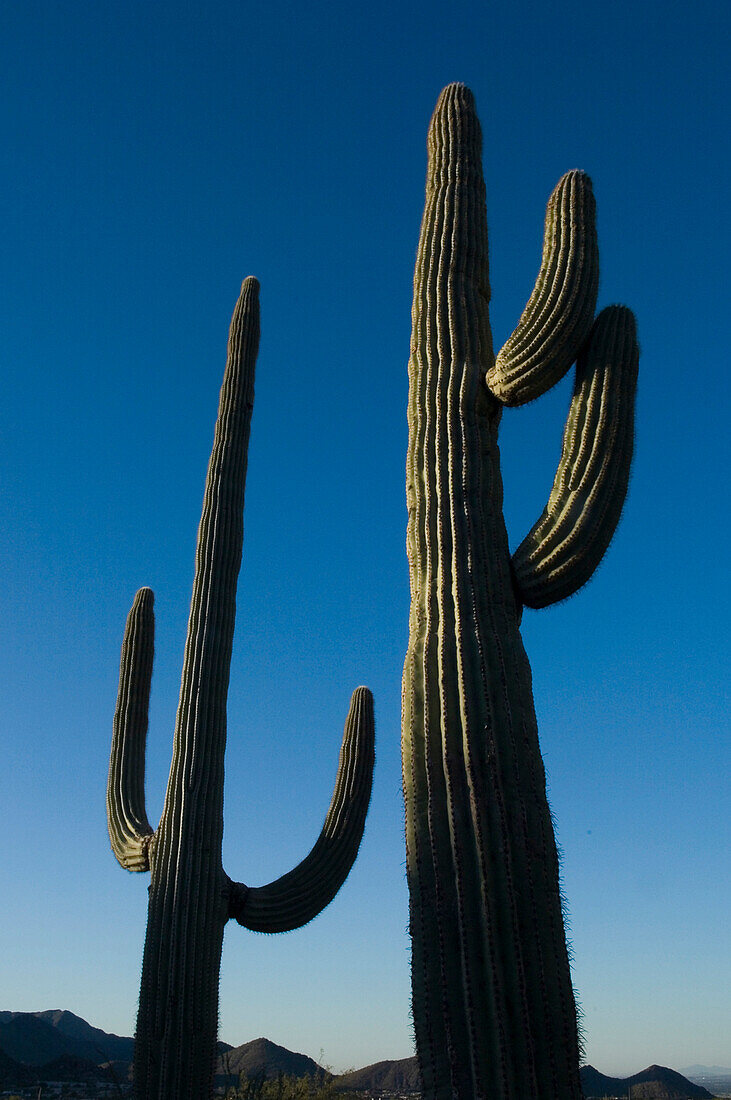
493 1005
191 897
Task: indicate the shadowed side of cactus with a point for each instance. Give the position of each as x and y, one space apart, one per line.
190 897
493 1005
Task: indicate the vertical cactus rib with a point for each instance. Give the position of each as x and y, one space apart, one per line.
565 546
129 829
178 1009
493 1005
489 967
297 897
429 783
190 895
559 314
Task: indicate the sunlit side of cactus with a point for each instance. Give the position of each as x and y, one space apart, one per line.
191 897
493 1004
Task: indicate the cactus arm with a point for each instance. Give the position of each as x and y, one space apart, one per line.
565 546
558 317
129 830
302 893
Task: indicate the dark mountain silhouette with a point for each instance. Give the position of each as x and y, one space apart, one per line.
401 1075
27 1039
594 1083
119 1071
664 1084
55 1045
653 1083
13 1074
39 1037
113 1047
67 1067
71 1068
262 1058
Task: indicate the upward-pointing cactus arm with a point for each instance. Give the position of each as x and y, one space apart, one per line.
190 897
302 893
565 546
129 829
558 317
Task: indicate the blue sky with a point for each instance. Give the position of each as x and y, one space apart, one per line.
157 154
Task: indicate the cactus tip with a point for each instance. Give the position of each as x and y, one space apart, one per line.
577 174
622 314
250 283
458 92
573 182
362 699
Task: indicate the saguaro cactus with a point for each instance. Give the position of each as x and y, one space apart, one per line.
493 1005
191 897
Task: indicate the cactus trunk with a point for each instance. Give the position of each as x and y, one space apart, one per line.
191 898
493 1005
188 907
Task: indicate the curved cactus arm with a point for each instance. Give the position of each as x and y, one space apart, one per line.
129 829
297 897
565 546
558 317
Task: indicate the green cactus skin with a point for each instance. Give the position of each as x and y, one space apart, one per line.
560 553
493 1005
191 897
559 314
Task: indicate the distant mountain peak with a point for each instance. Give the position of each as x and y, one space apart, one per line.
653 1083
35 1038
58 1041
262 1057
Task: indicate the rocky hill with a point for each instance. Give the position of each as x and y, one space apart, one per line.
57 1045
38 1037
262 1058
13 1074
653 1083
401 1075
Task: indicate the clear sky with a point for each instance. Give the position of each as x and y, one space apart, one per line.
154 155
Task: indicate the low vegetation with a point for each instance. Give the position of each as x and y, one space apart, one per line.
287 1087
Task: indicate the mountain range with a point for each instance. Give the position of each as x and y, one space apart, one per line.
57 1045
653 1083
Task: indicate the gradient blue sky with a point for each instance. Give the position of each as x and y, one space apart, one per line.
157 153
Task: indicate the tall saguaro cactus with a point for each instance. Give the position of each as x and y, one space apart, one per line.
493 1004
191 897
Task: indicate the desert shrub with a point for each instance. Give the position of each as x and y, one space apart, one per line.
285 1087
